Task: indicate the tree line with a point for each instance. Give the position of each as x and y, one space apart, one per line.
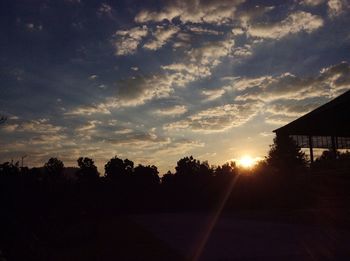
194 184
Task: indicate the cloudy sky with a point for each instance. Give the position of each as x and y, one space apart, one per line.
157 80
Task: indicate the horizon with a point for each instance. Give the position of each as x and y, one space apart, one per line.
157 81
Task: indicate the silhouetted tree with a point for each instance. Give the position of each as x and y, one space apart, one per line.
229 169
87 170
54 167
117 167
168 178
146 175
330 160
205 170
187 166
285 155
10 168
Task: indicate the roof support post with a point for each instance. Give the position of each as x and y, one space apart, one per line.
334 146
311 150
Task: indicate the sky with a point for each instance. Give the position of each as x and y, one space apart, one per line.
154 81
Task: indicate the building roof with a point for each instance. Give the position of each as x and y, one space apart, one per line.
330 119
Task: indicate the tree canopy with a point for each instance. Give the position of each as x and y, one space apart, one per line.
285 155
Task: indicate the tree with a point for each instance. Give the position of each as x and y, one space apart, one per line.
146 175
54 167
168 178
229 169
205 170
10 168
187 166
87 170
118 168
285 155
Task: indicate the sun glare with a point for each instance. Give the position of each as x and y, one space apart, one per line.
246 162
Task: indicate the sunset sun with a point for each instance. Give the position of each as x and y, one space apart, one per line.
246 161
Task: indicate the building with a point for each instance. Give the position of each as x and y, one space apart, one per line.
327 127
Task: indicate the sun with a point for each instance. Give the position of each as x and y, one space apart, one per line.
246 162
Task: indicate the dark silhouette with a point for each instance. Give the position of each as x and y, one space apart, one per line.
285 155
189 166
329 161
117 168
88 170
146 175
226 170
54 211
54 168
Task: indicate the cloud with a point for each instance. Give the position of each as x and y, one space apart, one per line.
132 92
287 96
279 119
177 147
337 7
243 51
138 90
296 22
291 110
241 84
50 140
237 31
330 82
213 94
192 11
161 37
89 126
199 62
34 126
105 10
137 139
93 77
127 41
89 110
252 13
312 2
172 111
217 119
202 30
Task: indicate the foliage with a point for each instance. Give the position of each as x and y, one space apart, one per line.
228 169
147 175
10 168
117 167
87 170
54 167
285 155
187 166
330 160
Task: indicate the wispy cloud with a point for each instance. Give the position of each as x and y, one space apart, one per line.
296 22
330 82
127 41
160 37
217 119
194 11
172 111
